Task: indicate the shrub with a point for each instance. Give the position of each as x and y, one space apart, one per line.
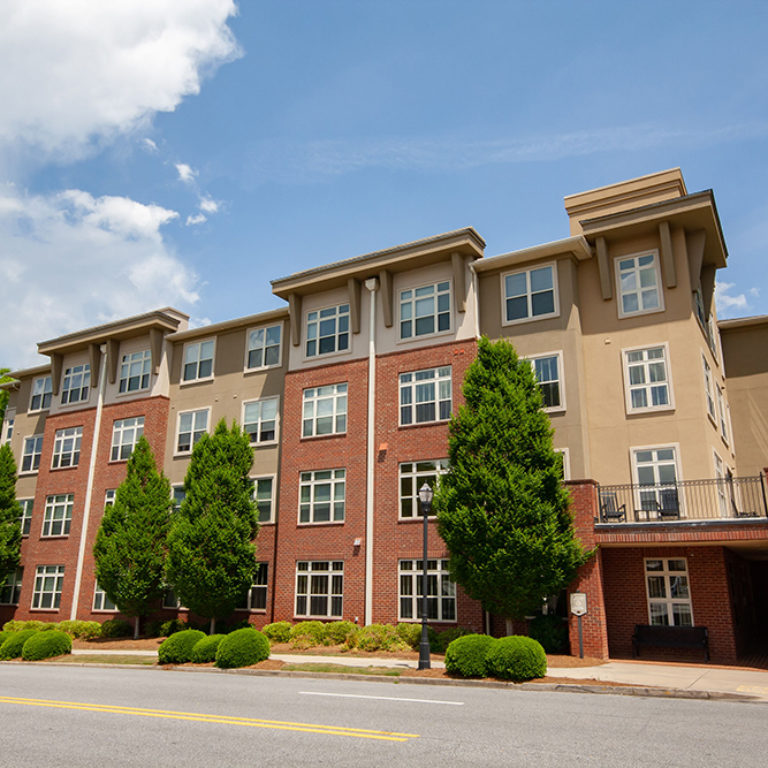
465 656
204 649
306 634
4 635
337 632
377 637
516 658
116 628
279 632
177 649
551 631
242 648
410 634
12 646
44 645
446 637
152 628
17 626
88 630
170 627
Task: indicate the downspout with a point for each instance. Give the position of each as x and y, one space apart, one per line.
372 284
89 485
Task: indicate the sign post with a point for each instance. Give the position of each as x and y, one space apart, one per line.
578 609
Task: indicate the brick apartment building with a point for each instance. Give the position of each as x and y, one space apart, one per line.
346 394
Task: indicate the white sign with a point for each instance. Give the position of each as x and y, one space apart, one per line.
578 603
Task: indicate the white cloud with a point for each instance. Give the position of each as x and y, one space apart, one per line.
186 173
198 218
150 145
725 301
208 205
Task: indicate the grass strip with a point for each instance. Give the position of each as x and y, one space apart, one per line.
98 658
341 668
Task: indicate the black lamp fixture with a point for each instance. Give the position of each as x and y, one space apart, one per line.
425 499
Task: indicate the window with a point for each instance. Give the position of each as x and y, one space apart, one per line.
721 413
328 330
100 600
66 447
548 372
412 476
30 457
125 435
425 310
638 283
42 392
441 591
530 294
325 410
647 379
655 468
321 496
260 420
77 382
669 599
256 597
320 589
198 361
48 582
58 514
169 599
565 462
109 497
262 495
425 396
134 371
25 521
263 347
192 426
10 416
722 499
10 589
179 494
708 389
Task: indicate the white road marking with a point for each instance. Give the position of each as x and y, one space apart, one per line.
382 698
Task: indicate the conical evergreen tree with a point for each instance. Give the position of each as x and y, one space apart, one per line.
502 509
10 512
211 560
131 543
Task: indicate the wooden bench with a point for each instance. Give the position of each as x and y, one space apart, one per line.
669 637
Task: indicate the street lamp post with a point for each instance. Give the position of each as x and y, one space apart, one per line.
425 498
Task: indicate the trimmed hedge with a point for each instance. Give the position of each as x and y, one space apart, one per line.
465 656
516 658
12 646
116 628
337 632
44 645
177 649
305 634
88 630
278 632
242 648
204 649
377 637
17 626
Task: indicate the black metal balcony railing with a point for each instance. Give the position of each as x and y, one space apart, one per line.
734 498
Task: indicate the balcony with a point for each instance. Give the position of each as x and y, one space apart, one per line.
725 500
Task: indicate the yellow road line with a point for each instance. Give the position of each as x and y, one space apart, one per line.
331 730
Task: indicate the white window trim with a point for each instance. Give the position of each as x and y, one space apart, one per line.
413 337
721 414
24 516
561 380
110 494
176 451
42 397
276 439
6 434
709 391
265 326
264 587
83 401
415 475
566 454
69 506
335 415
627 385
668 600
337 352
23 472
96 591
312 483
119 379
273 478
617 280
412 385
75 448
678 472
58 575
14 582
528 270
120 444
414 574
330 593
187 382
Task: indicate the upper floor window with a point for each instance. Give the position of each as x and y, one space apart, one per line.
639 284
76 386
192 426
412 476
324 410
721 413
425 396
7 434
548 370
66 447
25 521
198 361
260 420
328 330
263 496
709 388
33 449
134 371
263 347
109 497
42 392
425 310
179 494
669 599
322 496
656 474
647 379
125 435
58 514
530 294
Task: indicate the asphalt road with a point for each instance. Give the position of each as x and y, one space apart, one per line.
79 717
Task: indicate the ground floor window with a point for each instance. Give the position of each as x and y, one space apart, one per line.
256 597
320 589
101 602
10 589
441 591
48 583
669 596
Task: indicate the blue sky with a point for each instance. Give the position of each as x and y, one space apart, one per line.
186 153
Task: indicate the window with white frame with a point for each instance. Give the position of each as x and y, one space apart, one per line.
10 589
100 600
425 396
25 521
109 497
256 597
178 494
76 385
263 495
412 476
192 426
548 370
320 589
134 371
7 432
669 596
721 412
30 457
565 462
530 294
328 330
125 435
198 361
260 420
49 580
647 379
709 388
324 410
58 514
263 347
638 284
656 473
66 447
441 591
426 310
722 496
42 392
322 496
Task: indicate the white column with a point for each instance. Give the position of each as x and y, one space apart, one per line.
372 285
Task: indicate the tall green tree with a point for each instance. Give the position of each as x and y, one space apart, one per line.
131 543
502 508
3 393
10 512
211 560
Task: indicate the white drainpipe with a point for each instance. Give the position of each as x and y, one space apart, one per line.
372 284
